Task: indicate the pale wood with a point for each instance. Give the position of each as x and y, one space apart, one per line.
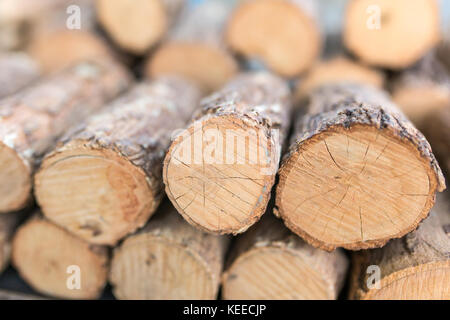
17 71
416 267
42 252
103 181
358 173
195 47
283 34
137 25
8 224
269 263
35 117
422 90
408 30
224 186
168 259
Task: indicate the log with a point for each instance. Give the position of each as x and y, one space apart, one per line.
358 173
269 262
338 69
195 47
103 181
46 256
8 224
18 71
34 118
422 90
67 48
381 33
416 267
284 35
223 185
137 25
168 259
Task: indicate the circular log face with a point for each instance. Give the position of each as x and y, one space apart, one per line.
16 182
354 188
220 173
146 267
274 273
95 194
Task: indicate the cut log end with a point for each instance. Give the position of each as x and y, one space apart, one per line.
76 183
43 252
220 188
209 66
359 188
275 32
14 194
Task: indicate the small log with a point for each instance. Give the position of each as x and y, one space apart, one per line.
381 33
168 259
223 185
338 69
34 118
195 47
358 173
416 267
8 224
284 34
269 262
49 259
17 71
104 180
137 25
422 90
67 48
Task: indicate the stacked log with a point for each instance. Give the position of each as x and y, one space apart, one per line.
357 173
18 71
269 262
168 259
103 181
219 172
34 118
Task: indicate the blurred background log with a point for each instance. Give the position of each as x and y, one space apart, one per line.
17 71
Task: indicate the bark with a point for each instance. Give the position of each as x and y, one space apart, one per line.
414 267
33 119
254 107
18 71
355 120
269 240
168 259
131 136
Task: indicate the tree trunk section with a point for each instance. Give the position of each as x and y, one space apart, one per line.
34 118
283 35
269 262
415 267
168 259
104 179
144 24
195 47
395 42
358 173
219 172
50 260
18 71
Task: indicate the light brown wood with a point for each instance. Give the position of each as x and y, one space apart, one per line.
34 118
338 69
8 224
137 25
283 34
219 172
103 181
422 90
269 262
391 34
17 71
195 47
42 254
416 267
168 259
60 49
358 173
